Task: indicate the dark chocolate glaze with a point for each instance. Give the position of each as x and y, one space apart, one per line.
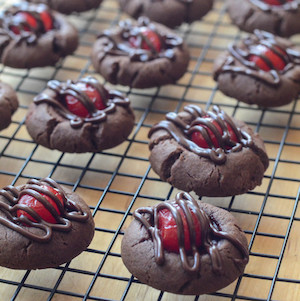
8 20
210 233
68 212
241 55
118 44
181 132
111 99
285 5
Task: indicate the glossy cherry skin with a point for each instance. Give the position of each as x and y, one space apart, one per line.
276 2
38 207
264 52
201 142
77 108
149 37
47 20
30 23
168 230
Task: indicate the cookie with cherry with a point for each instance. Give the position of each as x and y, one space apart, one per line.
55 222
261 69
207 152
79 116
32 35
140 54
184 246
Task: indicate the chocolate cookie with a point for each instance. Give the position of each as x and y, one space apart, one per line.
42 225
262 69
281 17
79 116
31 35
207 152
140 55
184 246
8 104
69 6
171 13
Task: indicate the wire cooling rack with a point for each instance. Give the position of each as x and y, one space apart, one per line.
117 181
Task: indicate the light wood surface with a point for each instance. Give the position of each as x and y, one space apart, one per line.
119 176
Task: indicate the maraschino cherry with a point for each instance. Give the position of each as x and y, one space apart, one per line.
168 230
29 23
147 40
198 138
38 207
77 108
267 59
47 20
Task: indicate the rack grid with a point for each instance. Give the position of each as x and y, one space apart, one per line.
116 181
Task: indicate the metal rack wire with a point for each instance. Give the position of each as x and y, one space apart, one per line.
117 181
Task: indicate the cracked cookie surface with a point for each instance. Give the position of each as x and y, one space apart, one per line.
171 13
34 36
262 69
69 6
227 165
140 54
31 241
216 260
8 104
281 18
66 116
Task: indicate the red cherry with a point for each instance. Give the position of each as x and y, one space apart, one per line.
30 23
77 108
38 207
265 54
150 40
276 2
28 18
168 230
200 141
47 20
25 18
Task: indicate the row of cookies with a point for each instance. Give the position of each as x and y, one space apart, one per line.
231 237
143 54
171 13
88 103
43 224
280 17
213 155
180 147
176 144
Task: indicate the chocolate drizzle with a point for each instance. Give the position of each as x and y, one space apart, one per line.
111 99
238 61
68 212
182 131
118 44
284 5
210 233
9 21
